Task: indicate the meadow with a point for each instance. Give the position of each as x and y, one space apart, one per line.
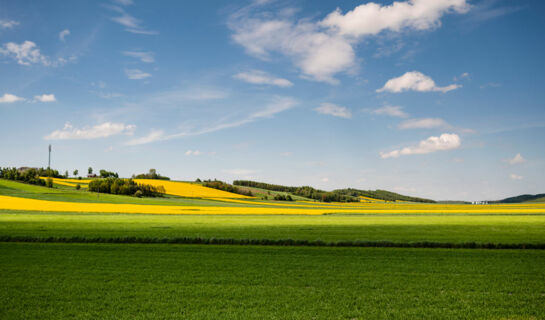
56 261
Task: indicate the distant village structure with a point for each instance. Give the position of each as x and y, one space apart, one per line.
479 202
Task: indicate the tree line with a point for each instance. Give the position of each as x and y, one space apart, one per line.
306 191
30 175
126 187
220 185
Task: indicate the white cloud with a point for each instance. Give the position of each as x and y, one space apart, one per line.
321 49
424 123
25 53
193 153
8 24
372 18
261 77
239 172
124 2
415 81
515 177
334 110
279 104
153 136
144 56
130 23
10 98
63 34
446 141
518 158
392 111
103 130
324 179
46 98
464 75
136 74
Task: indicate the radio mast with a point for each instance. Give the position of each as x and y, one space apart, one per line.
49 160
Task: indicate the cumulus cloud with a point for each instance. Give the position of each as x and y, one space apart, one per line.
261 77
446 141
518 158
25 53
10 98
515 177
103 130
415 81
321 49
392 111
136 74
334 110
8 24
424 123
144 56
63 34
46 98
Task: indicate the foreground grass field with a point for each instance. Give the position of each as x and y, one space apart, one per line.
100 281
456 228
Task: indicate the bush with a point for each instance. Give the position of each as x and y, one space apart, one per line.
78 186
138 194
152 174
49 183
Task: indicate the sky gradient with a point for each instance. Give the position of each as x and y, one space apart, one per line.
440 99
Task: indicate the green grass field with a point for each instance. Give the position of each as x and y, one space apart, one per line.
100 281
165 281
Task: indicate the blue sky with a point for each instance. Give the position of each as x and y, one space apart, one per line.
440 99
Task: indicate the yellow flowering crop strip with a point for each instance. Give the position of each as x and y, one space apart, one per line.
190 190
16 203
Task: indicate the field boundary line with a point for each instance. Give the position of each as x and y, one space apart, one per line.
277 242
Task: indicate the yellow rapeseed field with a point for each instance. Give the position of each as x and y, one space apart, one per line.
190 190
16 203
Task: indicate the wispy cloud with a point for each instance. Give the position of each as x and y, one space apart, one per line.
136 74
130 23
103 130
144 56
45 98
392 111
415 81
424 123
8 24
446 141
517 159
262 77
63 34
334 110
515 177
10 98
278 105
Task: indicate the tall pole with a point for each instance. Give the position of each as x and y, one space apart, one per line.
49 160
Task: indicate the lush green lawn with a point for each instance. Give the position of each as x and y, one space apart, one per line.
399 228
98 281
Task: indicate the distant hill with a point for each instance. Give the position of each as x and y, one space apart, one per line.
523 198
343 195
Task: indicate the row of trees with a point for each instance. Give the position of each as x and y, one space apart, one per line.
152 174
30 175
127 187
382 195
220 185
306 191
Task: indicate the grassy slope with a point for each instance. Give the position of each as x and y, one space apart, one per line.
58 281
399 228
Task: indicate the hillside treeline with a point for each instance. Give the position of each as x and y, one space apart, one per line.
152 174
220 185
28 175
125 187
521 198
306 191
340 195
381 195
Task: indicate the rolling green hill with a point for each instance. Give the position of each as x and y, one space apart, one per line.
523 198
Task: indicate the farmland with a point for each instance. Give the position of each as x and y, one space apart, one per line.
139 276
